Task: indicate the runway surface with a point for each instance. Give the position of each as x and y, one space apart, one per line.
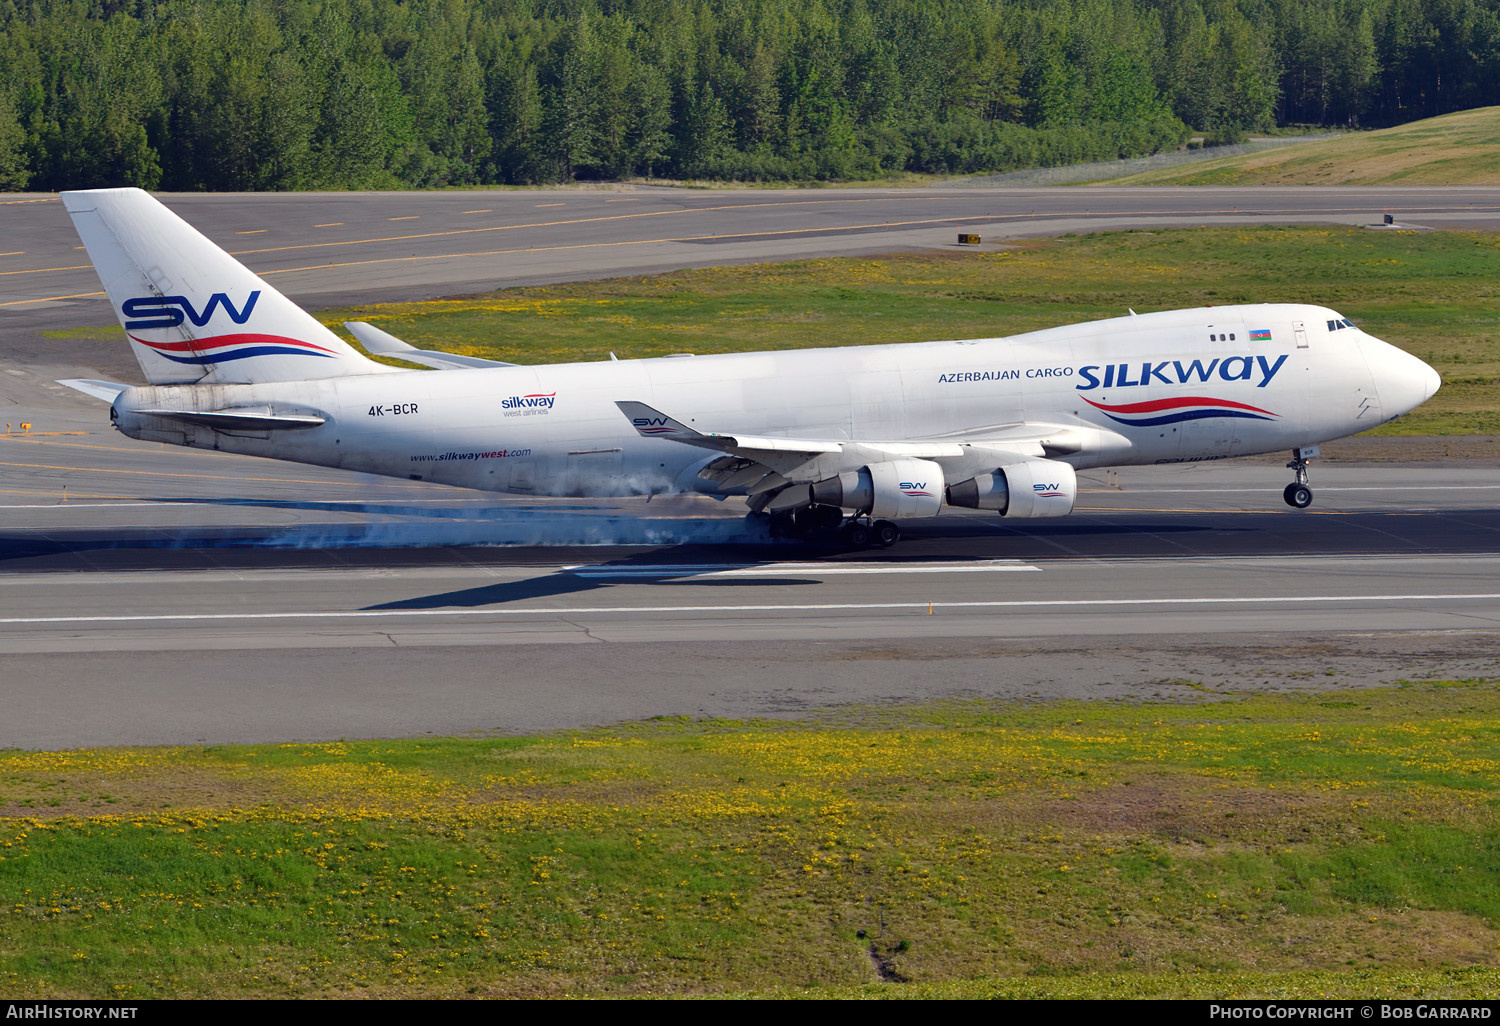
158 595
204 597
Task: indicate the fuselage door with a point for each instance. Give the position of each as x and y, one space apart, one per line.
1299 331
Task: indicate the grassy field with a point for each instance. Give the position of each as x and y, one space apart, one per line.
1434 294
1455 149
1337 843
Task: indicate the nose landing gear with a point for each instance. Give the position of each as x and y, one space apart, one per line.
1297 494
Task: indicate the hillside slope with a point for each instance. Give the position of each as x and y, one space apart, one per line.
1455 149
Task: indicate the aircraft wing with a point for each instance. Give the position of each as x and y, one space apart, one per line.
383 343
758 462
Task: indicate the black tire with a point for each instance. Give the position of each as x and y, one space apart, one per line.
885 534
1297 496
856 535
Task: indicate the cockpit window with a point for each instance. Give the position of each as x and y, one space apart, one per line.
1340 324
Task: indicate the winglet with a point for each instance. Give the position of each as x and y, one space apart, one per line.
650 423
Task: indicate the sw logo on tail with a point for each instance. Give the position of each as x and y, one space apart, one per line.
168 311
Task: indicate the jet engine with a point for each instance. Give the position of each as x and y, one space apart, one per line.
1026 488
895 488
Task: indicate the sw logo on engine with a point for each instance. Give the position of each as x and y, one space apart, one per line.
170 311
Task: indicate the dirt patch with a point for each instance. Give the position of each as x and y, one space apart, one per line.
1417 449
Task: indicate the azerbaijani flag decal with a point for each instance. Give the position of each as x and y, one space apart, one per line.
1260 334
1174 411
224 348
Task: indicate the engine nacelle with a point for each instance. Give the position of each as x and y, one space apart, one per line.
1026 488
896 488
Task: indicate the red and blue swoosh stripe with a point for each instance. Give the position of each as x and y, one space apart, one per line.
1174 411
224 348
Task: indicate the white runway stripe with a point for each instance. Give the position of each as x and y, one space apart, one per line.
830 607
785 569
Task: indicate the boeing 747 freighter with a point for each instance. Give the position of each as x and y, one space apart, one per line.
829 442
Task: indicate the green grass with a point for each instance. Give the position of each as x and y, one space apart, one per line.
1433 294
1335 843
1455 149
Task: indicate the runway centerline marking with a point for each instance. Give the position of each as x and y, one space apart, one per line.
830 607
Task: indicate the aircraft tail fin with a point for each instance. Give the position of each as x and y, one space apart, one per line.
193 313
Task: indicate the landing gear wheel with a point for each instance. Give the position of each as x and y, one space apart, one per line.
884 533
1298 496
856 535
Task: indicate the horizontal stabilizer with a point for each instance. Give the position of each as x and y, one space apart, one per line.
240 418
383 343
106 390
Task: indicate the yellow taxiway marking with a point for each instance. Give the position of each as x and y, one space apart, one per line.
996 217
14 252
485 211
51 299
254 231
122 500
407 217
329 224
551 204
9 203
608 245
137 447
164 473
41 434
44 270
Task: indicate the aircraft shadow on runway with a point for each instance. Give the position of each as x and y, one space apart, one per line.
646 568
591 538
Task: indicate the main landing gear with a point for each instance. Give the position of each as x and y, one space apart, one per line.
825 525
1297 494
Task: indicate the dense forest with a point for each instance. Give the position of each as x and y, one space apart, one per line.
301 94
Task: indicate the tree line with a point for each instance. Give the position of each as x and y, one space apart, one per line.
345 94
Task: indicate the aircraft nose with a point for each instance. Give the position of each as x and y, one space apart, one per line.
1402 381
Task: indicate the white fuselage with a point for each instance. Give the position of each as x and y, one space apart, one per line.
1169 387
